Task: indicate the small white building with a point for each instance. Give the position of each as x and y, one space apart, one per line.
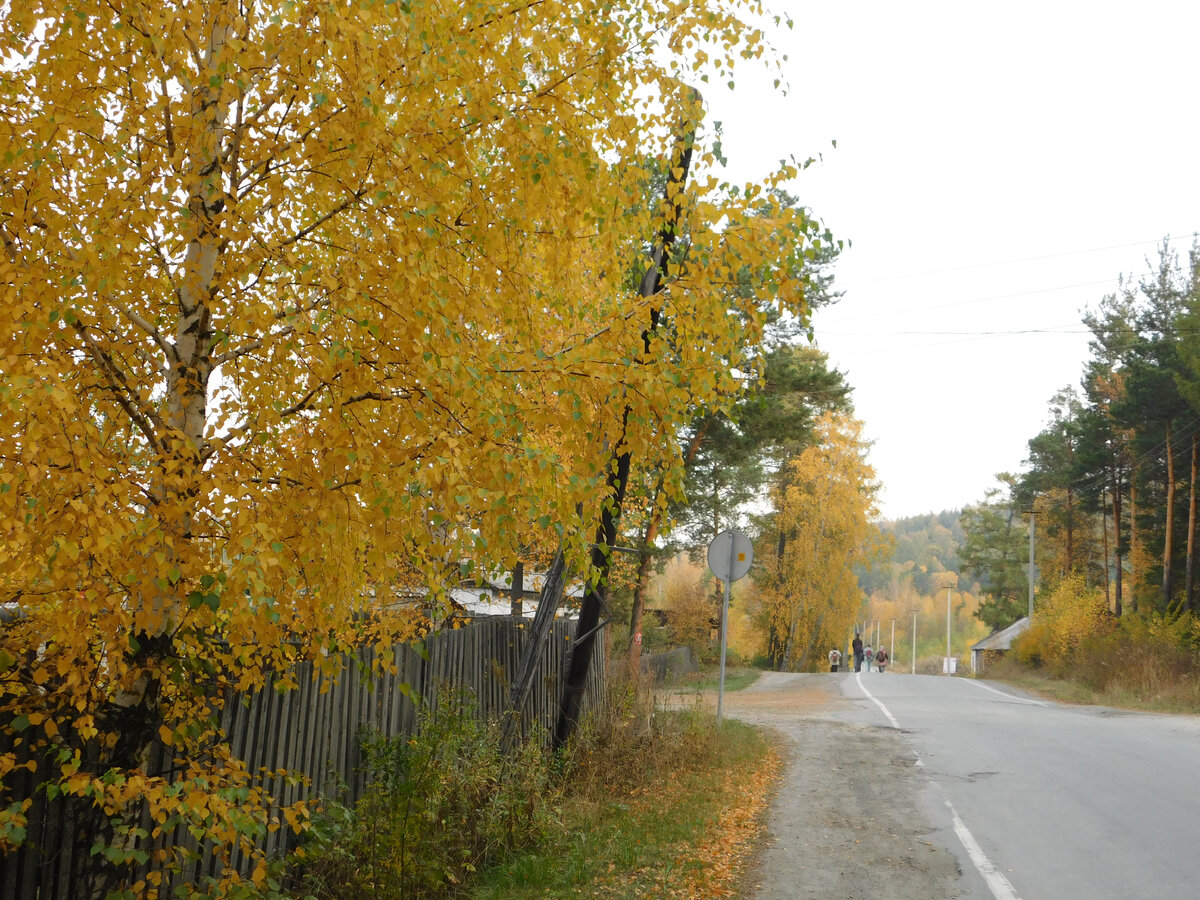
996 644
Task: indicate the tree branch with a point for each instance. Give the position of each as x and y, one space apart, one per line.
355 196
150 330
144 420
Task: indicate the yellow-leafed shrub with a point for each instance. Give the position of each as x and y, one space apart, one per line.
1176 632
1072 614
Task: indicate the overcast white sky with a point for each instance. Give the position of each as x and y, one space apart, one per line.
997 169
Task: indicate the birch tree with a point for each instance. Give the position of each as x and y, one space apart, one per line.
824 508
302 303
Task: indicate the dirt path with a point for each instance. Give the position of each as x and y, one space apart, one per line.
846 823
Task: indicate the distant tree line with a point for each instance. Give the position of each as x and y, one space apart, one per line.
922 549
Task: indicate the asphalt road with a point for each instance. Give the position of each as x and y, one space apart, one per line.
1042 801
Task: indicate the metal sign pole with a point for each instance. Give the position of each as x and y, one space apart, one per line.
728 563
724 642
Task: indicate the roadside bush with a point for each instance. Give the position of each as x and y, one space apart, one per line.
690 621
1144 660
1029 648
1153 629
1147 655
629 728
1117 662
1064 621
446 814
647 805
438 807
732 658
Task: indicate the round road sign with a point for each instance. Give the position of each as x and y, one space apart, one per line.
730 555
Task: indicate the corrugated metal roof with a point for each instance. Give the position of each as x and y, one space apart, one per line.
1002 639
531 582
480 603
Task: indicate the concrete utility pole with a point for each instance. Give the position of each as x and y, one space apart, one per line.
1031 565
914 664
948 654
892 651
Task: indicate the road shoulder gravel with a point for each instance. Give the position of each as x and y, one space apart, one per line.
847 820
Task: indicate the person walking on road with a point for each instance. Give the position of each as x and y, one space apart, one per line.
868 657
881 658
857 647
835 659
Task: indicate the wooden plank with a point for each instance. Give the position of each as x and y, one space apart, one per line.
26 867
291 726
393 695
414 670
362 694
59 846
320 746
354 690
341 723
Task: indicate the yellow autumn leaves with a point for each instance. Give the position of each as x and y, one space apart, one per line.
302 304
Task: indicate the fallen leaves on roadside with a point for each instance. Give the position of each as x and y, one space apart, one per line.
720 859
711 866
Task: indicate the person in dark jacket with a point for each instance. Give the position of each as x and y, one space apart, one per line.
858 653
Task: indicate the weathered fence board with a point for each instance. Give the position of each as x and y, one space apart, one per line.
314 731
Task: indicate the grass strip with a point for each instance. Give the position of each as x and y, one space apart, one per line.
678 820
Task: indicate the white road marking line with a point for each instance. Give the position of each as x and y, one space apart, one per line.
1000 886
1008 696
873 699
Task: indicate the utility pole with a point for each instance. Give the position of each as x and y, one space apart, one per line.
892 651
948 655
914 661
1031 566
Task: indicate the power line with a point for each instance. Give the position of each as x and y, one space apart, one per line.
911 348
1056 329
1034 292
1092 487
988 299
1183 434
961 337
1008 262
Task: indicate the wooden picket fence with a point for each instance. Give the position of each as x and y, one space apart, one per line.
314 731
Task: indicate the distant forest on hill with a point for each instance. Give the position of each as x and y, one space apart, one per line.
922 547
913 580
